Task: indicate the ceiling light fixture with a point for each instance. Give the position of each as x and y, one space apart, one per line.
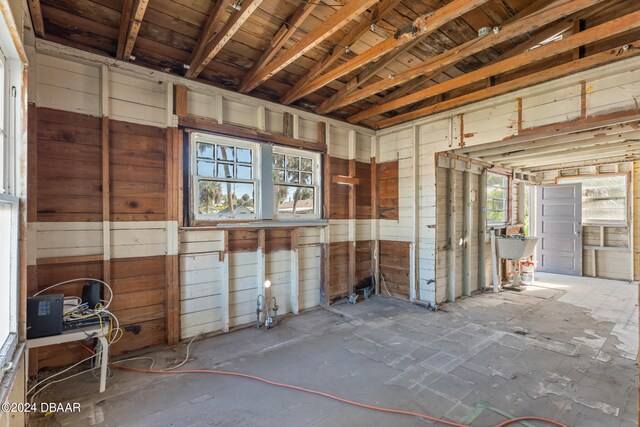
373 27
237 5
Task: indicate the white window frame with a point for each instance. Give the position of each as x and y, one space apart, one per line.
505 209
9 286
316 184
195 178
585 178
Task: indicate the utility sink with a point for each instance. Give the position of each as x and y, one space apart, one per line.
515 248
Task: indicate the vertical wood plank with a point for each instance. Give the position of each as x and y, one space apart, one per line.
451 232
295 286
414 280
261 270
106 207
181 105
224 285
466 250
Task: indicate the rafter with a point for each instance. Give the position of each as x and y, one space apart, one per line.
420 27
332 24
282 36
211 27
130 21
378 12
609 29
439 63
214 44
596 60
36 17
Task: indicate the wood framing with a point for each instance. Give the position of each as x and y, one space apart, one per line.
420 27
36 17
209 125
332 24
130 20
378 12
439 63
609 29
211 27
591 61
211 47
285 32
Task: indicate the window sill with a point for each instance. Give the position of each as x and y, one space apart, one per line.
10 375
256 224
605 224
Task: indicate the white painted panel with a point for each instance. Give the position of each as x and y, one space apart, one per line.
240 114
339 142
137 100
199 104
308 129
274 121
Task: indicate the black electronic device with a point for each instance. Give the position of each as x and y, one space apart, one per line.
44 315
86 321
91 294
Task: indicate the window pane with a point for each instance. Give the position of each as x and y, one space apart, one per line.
226 198
243 155
206 168
604 198
225 170
205 151
278 175
496 180
293 162
293 177
225 153
278 160
243 172
306 165
306 178
243 199
495 193
295 200
213 197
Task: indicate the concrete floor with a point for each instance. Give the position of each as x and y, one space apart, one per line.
566 348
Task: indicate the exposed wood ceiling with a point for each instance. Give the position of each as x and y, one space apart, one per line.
373 62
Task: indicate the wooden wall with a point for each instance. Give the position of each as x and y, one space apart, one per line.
394 268
67 183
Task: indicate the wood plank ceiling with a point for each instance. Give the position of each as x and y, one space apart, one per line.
372 62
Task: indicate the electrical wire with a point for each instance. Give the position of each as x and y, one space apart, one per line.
322 394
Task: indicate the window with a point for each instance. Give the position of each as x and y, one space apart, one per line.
235 180
497 196
604 197
296 178
225 175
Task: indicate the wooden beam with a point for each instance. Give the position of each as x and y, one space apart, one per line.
283 35
130 21
196 123
36 17
180 107
592 61
378 12
221 38
439 63
332 24
347 180
606 30
420 27
211 27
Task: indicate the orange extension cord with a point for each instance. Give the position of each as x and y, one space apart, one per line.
327 395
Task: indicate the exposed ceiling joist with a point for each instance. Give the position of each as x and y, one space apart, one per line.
214 44
603 31
582 64
36 17
439 63
130 20
338 50
332 24
211 27
621 148
507 147
568 163
420 27
523 154
284 34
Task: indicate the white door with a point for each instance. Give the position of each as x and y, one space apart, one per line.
559 227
